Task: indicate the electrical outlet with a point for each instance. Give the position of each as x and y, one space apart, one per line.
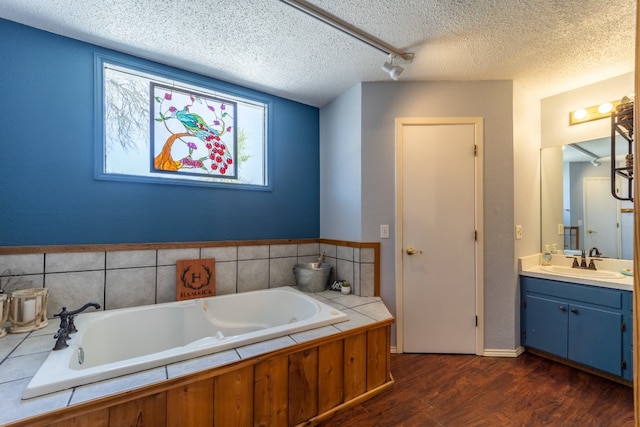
384 231
518 232
560 229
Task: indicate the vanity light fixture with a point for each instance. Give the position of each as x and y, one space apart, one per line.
595 112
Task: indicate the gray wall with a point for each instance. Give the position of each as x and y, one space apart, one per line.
492 100
340 172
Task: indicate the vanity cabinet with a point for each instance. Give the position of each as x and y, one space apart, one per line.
586 324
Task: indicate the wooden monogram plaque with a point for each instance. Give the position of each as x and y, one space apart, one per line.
195 278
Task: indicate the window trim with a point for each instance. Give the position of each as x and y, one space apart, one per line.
187 78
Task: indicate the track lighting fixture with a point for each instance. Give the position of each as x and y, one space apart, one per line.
393 70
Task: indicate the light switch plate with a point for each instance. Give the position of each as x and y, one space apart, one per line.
518 232
384 231
560 229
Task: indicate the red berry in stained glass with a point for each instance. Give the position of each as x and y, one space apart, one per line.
219 159
214 166
224 147
229 161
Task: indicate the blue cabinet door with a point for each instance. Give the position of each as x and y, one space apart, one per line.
595 338
546 323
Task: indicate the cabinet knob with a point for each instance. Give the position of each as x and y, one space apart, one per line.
574 310
563 308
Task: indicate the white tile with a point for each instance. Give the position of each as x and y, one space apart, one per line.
355 320
281 272
313 334
202 363
170 256
118 385
253 275
128 259
49 330
8 343
282 251
22 264
226 277
253 252
329 250
265 347
130 287
73 290
223 253
306 249
13 408
367 280
375 310
166 284
15 368
36 344
344 270
353 300
345 253
77 261
367 255
19 282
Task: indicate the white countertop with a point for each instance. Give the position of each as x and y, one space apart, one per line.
22 354
530 266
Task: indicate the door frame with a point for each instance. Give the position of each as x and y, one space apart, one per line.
477 122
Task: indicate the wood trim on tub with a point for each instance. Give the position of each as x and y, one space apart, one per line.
292 372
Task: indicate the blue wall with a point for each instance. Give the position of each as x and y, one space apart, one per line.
48 194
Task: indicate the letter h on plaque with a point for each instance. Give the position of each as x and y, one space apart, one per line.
195 278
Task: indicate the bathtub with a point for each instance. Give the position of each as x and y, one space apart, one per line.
123 341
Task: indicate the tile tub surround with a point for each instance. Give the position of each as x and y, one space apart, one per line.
118 276
21 356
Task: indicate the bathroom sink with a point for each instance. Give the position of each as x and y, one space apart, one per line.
581 272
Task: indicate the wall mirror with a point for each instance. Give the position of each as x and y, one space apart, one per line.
578 210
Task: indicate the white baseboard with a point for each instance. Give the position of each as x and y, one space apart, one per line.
488 352
503 352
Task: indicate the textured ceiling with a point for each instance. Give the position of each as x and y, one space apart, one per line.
548 46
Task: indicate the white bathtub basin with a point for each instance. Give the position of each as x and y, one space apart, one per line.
119 342
581 272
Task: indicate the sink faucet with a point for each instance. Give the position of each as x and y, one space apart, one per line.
67 326
583 260
594 252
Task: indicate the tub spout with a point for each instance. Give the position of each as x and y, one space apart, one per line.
66 317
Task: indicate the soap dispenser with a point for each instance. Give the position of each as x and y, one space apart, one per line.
546 256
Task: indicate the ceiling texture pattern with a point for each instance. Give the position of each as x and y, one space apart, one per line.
547 46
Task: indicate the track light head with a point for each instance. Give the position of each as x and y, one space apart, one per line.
394 71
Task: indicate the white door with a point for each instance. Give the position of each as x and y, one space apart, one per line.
437 217
600 217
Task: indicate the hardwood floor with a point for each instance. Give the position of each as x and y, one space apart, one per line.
461 390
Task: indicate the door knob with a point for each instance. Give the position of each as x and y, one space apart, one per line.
591 231
411 250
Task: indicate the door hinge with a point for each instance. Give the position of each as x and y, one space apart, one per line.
475 235
623 327
623 364
475 150
525 305
476 321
